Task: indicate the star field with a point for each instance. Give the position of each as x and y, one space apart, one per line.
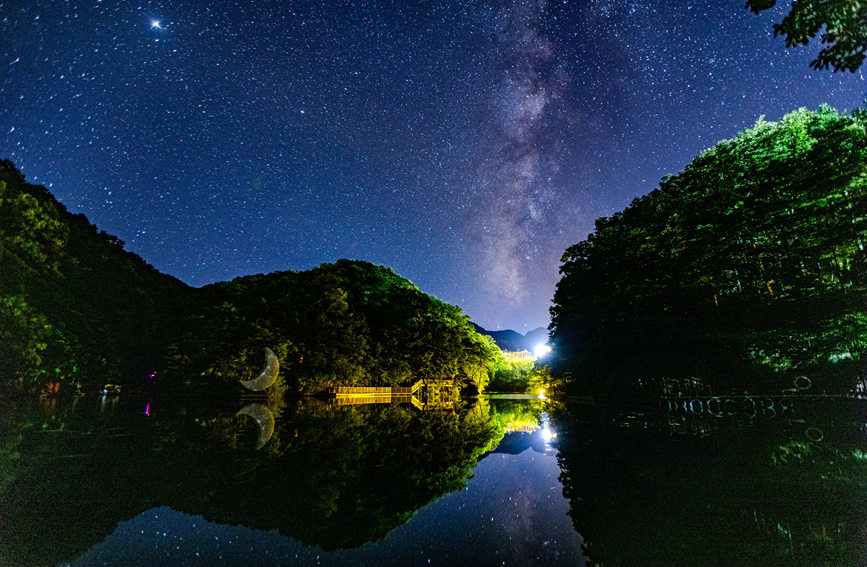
464 144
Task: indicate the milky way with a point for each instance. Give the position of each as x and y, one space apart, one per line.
464 144
515 215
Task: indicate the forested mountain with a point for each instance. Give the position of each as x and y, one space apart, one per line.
347 323
76 307
751 259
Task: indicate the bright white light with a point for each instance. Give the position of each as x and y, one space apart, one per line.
547 435
155 24
541 350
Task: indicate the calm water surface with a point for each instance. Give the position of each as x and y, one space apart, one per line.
494 482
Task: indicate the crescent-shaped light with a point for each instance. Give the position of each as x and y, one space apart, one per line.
268 374
264 421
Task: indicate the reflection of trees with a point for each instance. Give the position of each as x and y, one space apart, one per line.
359 472
333 477
513 414
641 497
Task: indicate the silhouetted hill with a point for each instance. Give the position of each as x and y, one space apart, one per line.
350 323
514 341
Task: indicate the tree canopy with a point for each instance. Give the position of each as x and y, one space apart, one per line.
350 323
753 256
845 24
74 305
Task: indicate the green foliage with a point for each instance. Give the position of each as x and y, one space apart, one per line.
523 377
845 35
512 376
349 323
753 256
73 304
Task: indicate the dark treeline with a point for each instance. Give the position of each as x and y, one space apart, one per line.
750 260
75 307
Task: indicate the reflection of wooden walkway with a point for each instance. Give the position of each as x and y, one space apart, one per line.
353 400
424 394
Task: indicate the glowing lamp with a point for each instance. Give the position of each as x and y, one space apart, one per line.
541 350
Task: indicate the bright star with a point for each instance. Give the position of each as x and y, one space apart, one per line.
155 24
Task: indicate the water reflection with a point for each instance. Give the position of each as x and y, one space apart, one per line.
652 487
264 420
334 477
500 516
390 483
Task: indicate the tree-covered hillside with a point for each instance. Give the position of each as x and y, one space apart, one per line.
76 307
752 258
347 323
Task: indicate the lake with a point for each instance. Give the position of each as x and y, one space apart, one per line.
495 481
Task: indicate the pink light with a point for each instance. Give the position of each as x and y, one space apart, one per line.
148 409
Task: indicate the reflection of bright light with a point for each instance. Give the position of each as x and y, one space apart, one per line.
541 350
547 434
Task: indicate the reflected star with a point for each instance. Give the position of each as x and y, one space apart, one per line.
155 24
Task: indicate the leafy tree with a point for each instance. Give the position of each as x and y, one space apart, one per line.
512 375
748 259
74 306
845 24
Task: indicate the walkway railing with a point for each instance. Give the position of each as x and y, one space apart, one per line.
424 394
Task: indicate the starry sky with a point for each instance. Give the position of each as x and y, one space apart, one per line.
464 144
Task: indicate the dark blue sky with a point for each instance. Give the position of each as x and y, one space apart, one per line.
464 144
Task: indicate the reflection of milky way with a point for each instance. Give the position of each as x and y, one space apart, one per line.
464 144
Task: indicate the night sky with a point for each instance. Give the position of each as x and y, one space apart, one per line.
464 144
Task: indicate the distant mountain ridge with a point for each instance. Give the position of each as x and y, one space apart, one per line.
514 341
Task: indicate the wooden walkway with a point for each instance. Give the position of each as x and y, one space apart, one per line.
424 394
